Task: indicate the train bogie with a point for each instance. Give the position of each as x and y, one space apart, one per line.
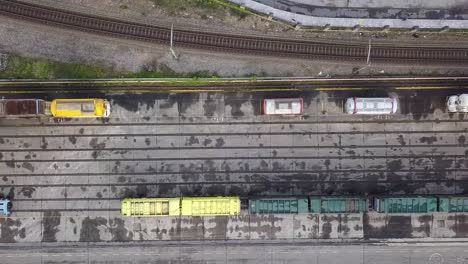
336 205
5 206
210 206
140 207
400 205
18 108
279 206
283 106
371 106
453 204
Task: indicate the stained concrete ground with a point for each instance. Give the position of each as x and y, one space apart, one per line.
67 179
393 9
246 253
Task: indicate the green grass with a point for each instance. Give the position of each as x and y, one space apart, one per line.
185 5
26 68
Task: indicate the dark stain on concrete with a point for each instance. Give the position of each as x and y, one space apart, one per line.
207 141
394 165
160 233
133 105
81 131
95 154
398 226
10 164
428 140
50 223
121 179
209 107
27 191
146 118
442 164
44 143
118 231
142 191
2 141
95 145
99 195
219 142
147 141
1 155
401 140
28 157
461 225
218 231
235 107
192 140
5 178
72 139
89 231
425 222
26 145
462 140
28 166
9 229
264 226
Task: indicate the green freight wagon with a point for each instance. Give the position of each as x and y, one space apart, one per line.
279 206
335 205
399 205
453 204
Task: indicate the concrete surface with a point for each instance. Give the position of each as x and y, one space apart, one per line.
371 9
236 253
67 177
405 20
446 4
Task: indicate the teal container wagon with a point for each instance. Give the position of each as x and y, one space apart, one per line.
453 204
400 205
335 205
279 206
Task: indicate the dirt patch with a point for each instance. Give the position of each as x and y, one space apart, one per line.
27 191
90 231
50 223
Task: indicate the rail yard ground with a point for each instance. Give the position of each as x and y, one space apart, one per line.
237 253
67 177
190 253
38 41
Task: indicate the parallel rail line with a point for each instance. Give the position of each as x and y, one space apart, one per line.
354 52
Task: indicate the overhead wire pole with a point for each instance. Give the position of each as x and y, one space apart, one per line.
368 61
172 42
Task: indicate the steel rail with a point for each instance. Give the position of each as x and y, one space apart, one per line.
210 41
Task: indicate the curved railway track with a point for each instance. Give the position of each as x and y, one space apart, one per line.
294 48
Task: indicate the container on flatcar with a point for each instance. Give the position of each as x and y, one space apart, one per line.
80 108
335 205
371 106
18 108
210 206
399 205
457 103
139 207
283 106
5 206
453 204
279 206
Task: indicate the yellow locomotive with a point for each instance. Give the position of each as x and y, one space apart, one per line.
80 108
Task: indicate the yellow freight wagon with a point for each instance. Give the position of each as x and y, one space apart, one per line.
210 206
138 207
80 108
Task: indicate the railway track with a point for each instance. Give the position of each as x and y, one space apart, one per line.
78 167
295 48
